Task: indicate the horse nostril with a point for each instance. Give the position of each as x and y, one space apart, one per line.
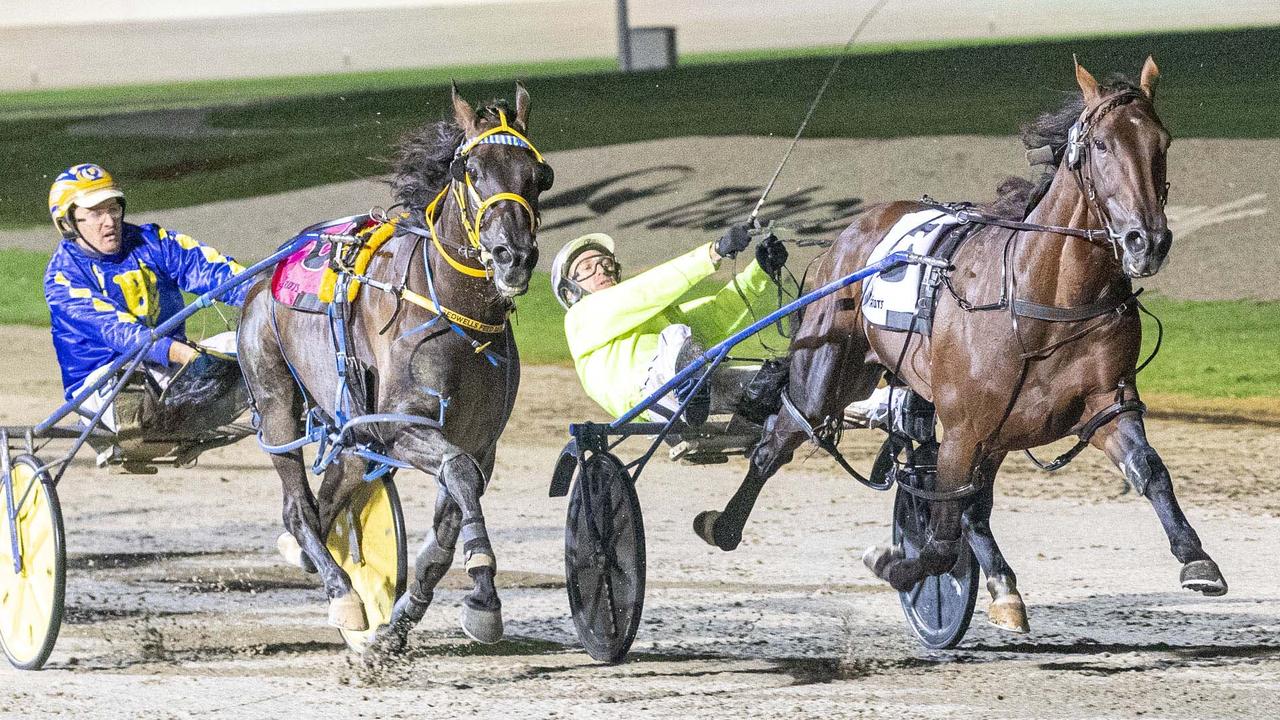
502 254
1133 237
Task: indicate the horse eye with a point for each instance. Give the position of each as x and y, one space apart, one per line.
544 176
1099 145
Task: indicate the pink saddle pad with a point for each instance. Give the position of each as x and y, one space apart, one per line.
296 281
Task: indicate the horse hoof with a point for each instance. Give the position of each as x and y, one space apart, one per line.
292 553
483 626
878 557
1203 576
704 526
1008 612
346 612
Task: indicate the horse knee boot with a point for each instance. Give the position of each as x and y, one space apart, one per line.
1142 466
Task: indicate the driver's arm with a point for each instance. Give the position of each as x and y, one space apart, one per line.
604 315
715 317
196 267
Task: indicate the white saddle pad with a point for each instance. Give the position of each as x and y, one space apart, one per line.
889 299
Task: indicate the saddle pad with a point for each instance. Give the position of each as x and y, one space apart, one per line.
304 281
890 299
297 279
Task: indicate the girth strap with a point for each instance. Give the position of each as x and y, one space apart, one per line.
1052 313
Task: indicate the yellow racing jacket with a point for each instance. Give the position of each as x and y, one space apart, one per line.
613 333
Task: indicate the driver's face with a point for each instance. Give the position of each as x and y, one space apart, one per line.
594 270
100 226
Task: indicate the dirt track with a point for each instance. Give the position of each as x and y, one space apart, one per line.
177 604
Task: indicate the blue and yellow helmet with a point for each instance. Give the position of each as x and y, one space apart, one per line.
83 185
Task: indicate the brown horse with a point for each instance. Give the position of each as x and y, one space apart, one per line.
474 248
1037 338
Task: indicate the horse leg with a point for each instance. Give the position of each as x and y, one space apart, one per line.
1007 610
432 563
341 479
824 380
941 548
724 529
462 478
301 519
277 401
481 609
1125 442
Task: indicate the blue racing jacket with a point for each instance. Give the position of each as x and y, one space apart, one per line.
100 306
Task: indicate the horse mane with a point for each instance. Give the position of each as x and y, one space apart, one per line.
1017 196
420 167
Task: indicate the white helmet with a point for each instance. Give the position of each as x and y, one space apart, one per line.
567 291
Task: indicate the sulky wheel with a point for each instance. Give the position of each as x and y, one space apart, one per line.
31 595
938 608
367 541
604 558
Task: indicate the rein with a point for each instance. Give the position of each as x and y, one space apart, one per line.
1078 160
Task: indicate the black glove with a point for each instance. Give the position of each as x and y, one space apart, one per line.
733 242
771 254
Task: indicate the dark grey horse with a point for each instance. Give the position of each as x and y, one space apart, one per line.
478 180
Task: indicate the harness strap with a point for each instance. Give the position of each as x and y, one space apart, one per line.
827 445
1087 431
1052 313
429 215
452 315
965 214
959 493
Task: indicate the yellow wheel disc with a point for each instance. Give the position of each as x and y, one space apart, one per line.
367 541
31 600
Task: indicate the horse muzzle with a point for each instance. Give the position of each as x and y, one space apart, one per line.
1144 251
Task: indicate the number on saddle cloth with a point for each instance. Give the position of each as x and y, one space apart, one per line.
902 299
305 280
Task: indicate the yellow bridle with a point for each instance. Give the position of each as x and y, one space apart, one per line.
500 134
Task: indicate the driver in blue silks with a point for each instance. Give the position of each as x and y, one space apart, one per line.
110 282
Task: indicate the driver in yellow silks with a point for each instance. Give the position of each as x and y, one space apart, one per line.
629 337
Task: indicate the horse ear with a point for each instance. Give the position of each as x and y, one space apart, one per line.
1150 74
522 106
463 113
1087 84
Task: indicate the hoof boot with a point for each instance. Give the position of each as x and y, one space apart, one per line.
290 550
1008 612
346 612
704 526
878 557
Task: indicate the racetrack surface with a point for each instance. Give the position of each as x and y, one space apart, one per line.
178 605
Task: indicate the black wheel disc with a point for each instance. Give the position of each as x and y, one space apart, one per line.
938 608
604 558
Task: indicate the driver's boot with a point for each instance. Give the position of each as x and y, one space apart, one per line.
699 407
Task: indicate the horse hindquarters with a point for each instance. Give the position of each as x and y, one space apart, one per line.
829 370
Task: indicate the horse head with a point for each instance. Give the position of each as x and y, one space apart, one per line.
497 175
1116 151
